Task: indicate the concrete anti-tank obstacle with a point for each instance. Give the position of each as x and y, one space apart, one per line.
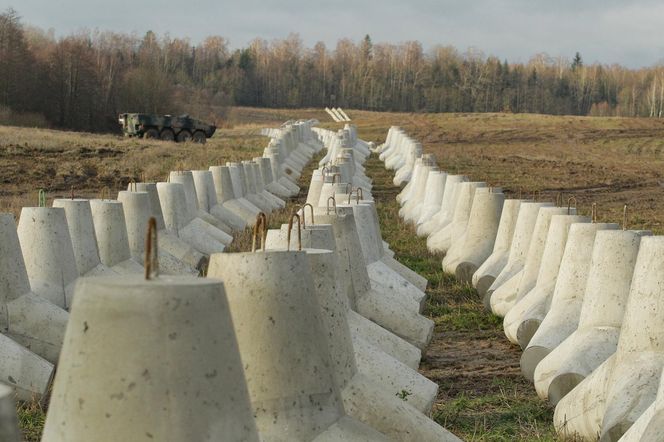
321 236
382 276
613 396
153 199
239 187
496 262
271 185
596 338
407 211
136 208
408 274
191 260
391 374
217 229
332 114
260 187
282 346
186 363
83 238
315 186
564 308
525 316
207 200
248 188
252 192
443 216
433 199
503 299
223 184
385 308
441 240
9 431
650 425
26 372
478 241
414 187
413 207
48 253
112 238
196 232
388 415
523 230
405 170
28 319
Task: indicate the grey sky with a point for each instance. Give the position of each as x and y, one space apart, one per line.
608 31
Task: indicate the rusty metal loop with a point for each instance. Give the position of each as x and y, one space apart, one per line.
624 223
334 204
360 194
324 171
336 178
261 223
312 214
569 204
151 261
105 191
299 231
296 208
349 188
42 197
593 213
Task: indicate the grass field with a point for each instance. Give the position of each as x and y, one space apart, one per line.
611 161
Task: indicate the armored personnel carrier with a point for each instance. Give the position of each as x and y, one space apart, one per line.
166 127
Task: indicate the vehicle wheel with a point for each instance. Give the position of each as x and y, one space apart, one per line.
167 135
199 137
184 136
151 133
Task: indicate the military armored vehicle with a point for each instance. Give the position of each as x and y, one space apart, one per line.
166 127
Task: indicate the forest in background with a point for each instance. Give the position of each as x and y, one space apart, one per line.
84 80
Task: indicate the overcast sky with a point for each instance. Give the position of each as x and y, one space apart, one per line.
609 31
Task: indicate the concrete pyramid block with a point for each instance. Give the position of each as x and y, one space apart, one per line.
496 262
186 364
523 230
48 253
524 318
596 338
564 310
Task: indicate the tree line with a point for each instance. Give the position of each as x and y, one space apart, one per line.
83 81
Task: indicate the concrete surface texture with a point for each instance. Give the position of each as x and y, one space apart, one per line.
564 309
9 431
48 253
282 344
112 237
28 319
596 338
187 361
477 243
611 398
524 318
516 259
496 262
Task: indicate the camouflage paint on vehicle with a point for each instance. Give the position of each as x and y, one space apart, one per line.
166 127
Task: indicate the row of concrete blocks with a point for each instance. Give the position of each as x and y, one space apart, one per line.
337 114
53 248
581 298
366 403
258 356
